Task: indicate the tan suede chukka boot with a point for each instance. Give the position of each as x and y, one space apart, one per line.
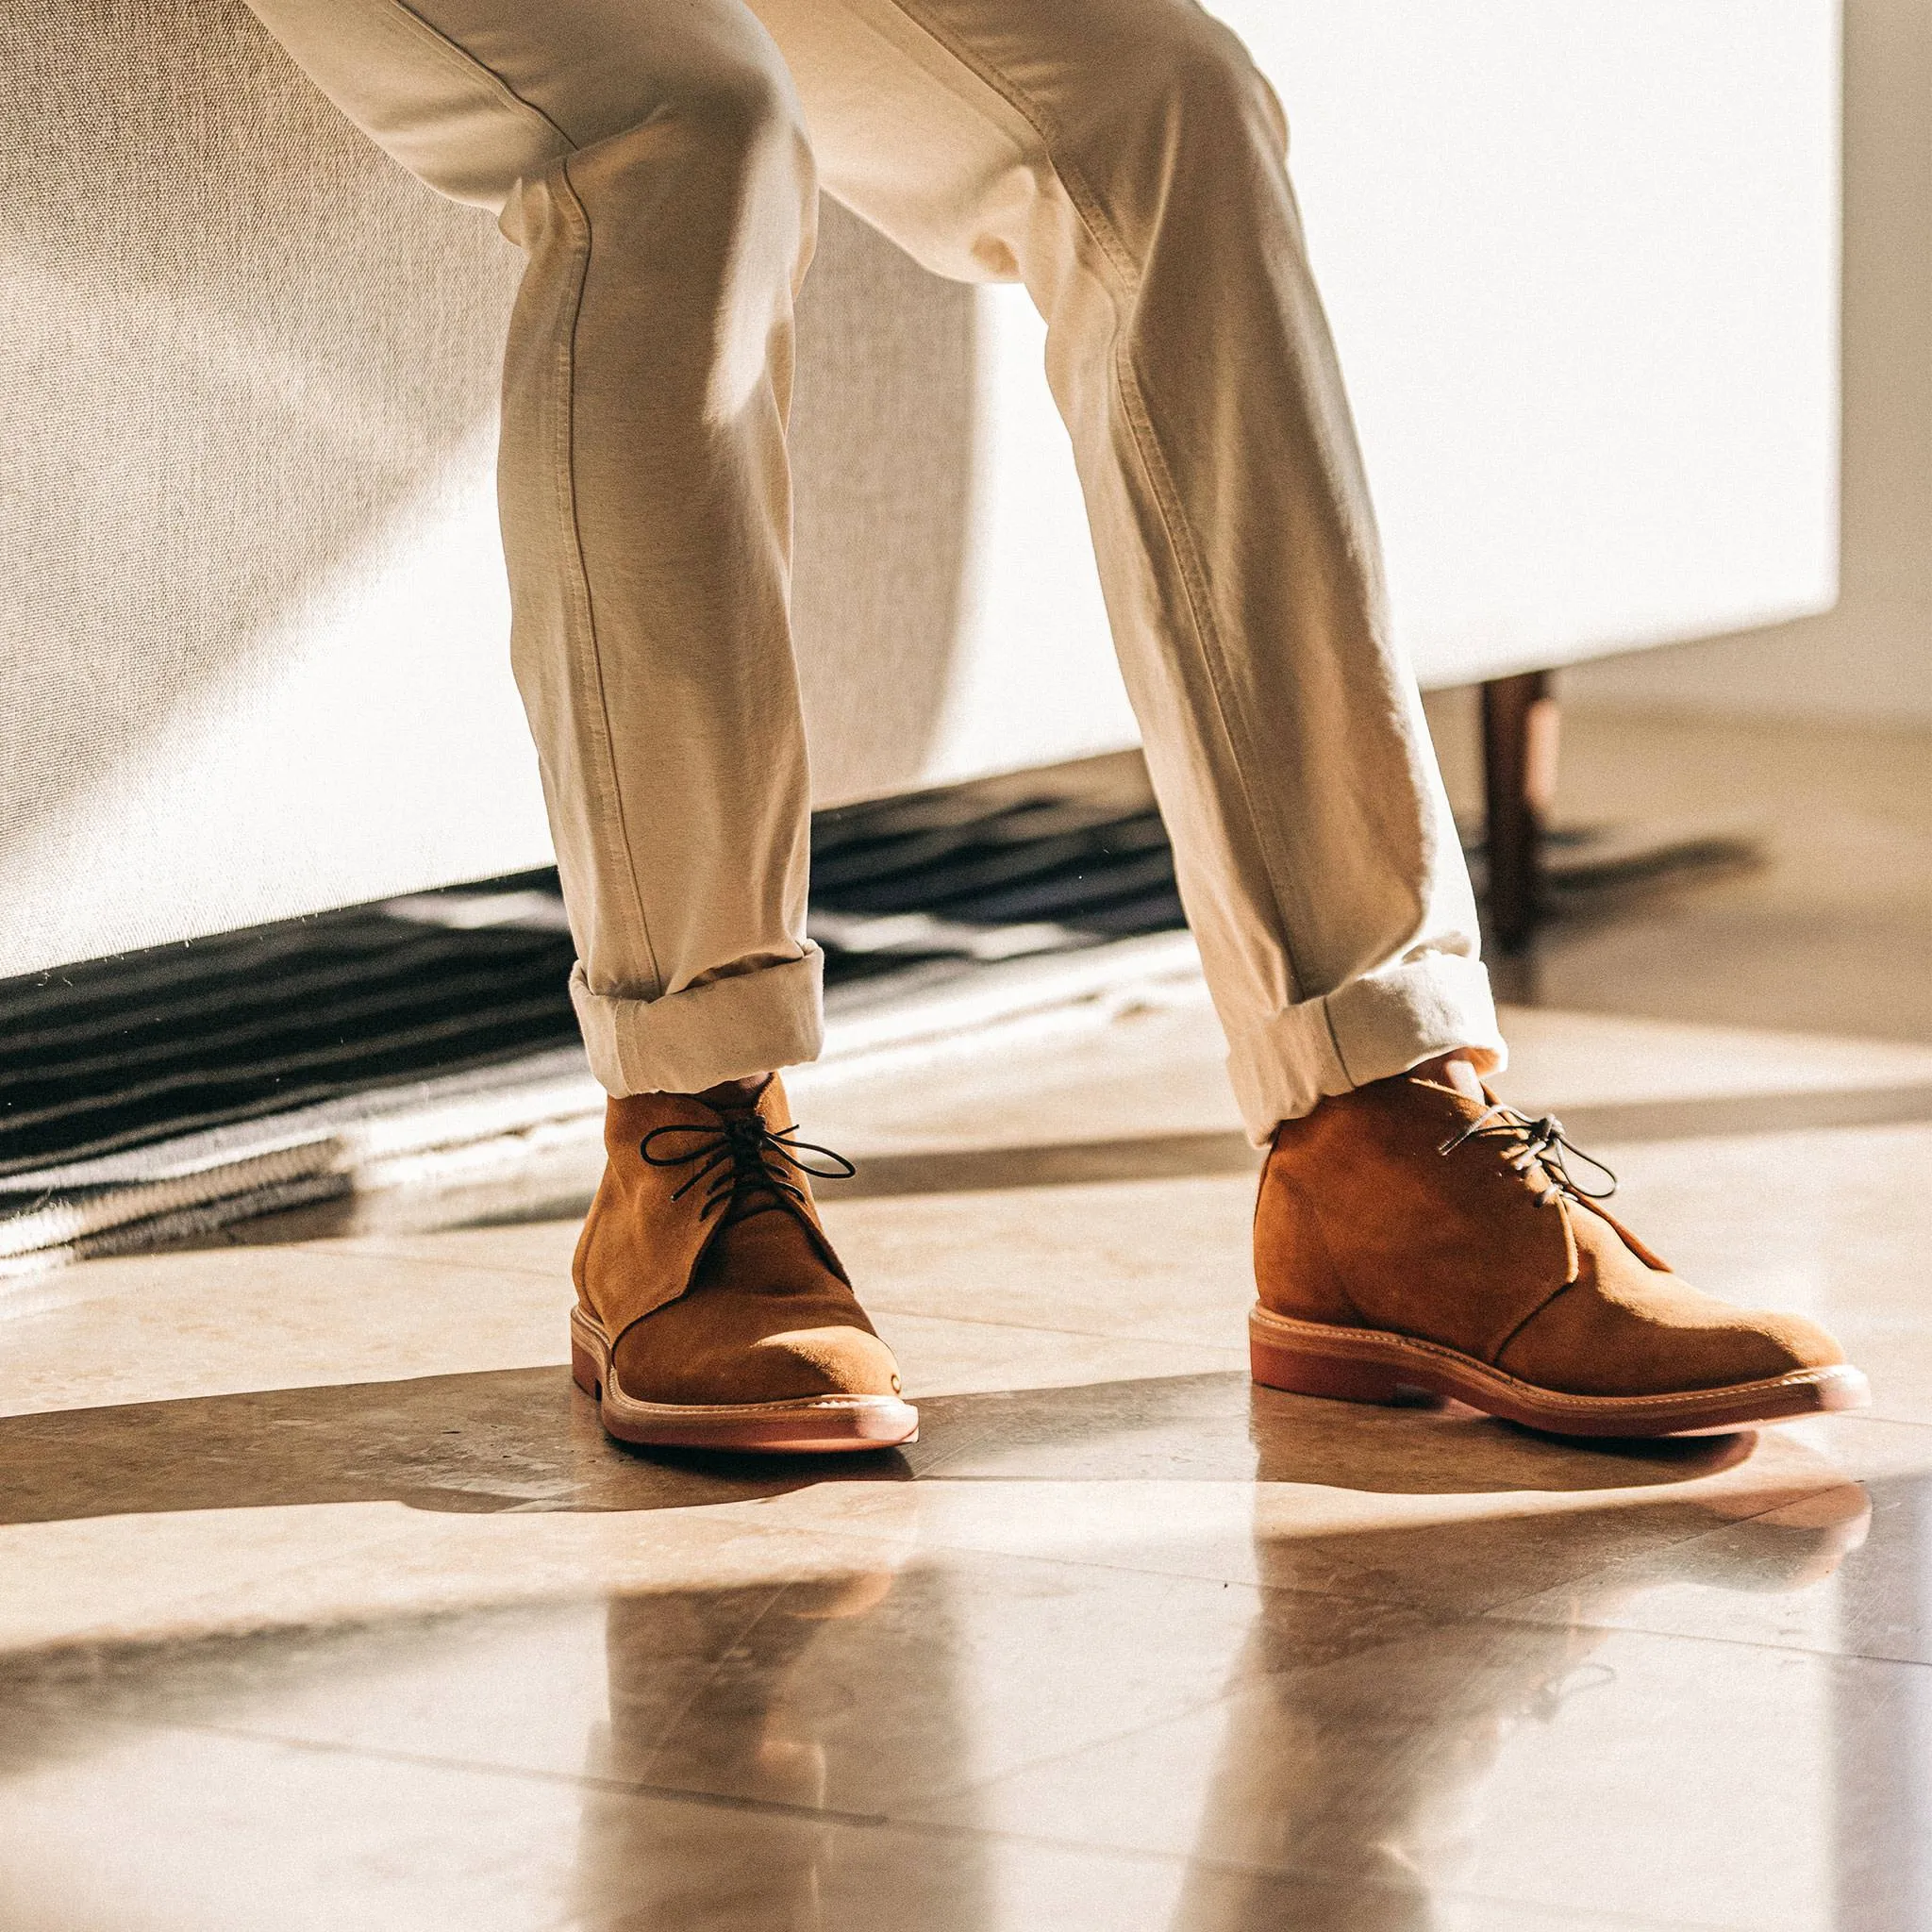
711 1311
1409 1237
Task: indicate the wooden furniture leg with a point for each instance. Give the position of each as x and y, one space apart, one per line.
1520 726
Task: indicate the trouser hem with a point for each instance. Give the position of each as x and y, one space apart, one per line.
725 1030
1372 1029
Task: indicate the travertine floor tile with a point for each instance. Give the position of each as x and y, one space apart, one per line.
177 1831
1166 1262
943 1358
205 1322
892 1675
1755 1582
1534 1763
1567 1058
137 1580
236 1832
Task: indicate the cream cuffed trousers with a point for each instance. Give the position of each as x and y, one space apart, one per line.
660 163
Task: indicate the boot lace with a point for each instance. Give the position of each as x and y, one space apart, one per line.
748 1164
1528 1143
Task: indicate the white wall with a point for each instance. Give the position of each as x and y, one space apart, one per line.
1580 259
1581 262
1871 657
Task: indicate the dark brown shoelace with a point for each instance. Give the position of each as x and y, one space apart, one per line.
1534 1141
746 1161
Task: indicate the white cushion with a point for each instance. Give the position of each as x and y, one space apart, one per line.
1580 262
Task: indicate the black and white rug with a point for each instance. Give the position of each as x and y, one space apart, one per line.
427 1040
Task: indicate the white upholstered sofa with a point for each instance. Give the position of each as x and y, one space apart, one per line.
1580 257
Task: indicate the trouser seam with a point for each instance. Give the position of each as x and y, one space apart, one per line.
459 55
582 604
1335 1040
1146 443
1206 633
1086 203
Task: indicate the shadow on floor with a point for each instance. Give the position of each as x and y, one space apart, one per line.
526 1440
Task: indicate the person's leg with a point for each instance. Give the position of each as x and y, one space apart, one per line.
1126 160
651 160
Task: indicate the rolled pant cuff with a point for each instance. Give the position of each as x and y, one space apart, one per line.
1374 1027
725 1030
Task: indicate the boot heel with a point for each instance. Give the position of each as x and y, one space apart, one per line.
584 1371
1302 1371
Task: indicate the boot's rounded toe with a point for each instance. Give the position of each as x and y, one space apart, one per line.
825 1361
718 1350
1664 1340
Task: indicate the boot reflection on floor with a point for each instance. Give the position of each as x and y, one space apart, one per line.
717 1692
1366 1776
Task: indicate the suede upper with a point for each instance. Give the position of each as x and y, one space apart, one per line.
744 1303
1364 1220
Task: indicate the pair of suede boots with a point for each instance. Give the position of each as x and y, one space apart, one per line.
1408 1237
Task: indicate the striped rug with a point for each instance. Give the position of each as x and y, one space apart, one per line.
168 1092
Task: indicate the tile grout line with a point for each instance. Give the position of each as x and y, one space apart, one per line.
1326 1877
1858 1657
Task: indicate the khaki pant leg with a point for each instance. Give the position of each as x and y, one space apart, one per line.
1126 160
651 160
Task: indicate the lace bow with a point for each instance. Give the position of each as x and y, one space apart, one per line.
743 1156
1534 1141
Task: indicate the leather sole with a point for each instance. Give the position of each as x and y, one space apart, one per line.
1371 1365
806 1426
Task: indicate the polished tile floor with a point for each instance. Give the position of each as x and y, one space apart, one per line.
323 1603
